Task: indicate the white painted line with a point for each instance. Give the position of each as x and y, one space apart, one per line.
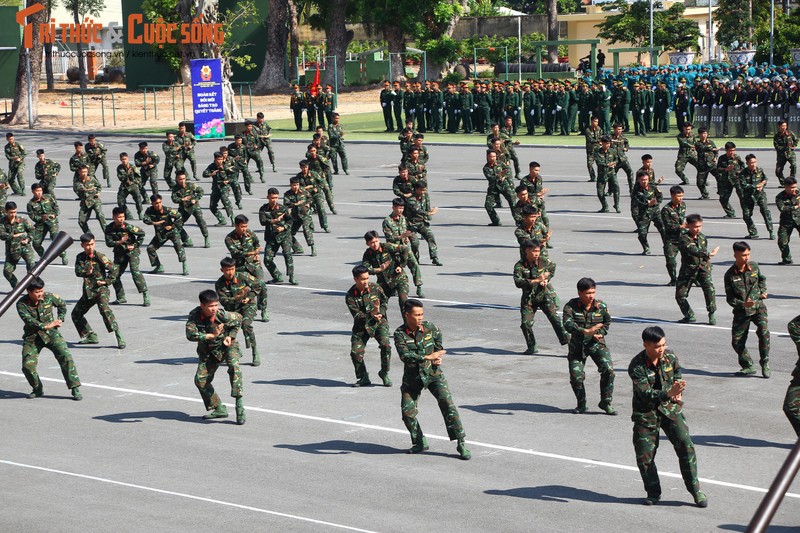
184 495
403 431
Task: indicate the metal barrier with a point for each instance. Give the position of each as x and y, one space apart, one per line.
155 103
93 90
241 85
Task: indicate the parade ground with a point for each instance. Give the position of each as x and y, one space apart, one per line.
319 455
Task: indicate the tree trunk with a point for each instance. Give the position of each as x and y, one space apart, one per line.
336 35
19 106
396 44
81 65
434 69
552 29
187 9
294 41
48 66
271 76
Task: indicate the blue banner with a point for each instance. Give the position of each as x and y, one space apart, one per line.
207 103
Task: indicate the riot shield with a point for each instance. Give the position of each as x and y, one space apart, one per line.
735 121
774 115
701 116
755 121
717 128
793 118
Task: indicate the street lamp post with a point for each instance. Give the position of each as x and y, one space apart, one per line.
771 30
651 33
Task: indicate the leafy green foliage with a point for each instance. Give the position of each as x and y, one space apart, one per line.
734 23
786 36
632 25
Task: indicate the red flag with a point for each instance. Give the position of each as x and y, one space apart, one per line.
315 88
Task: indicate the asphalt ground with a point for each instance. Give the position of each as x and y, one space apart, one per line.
318 455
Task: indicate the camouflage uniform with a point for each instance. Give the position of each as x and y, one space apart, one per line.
18 237
277 224
508 143
300 206
44 214
791 403
169 230
577 319
336 136
97 157
232 172
535 297
536 196
749 283
319 166
419 221
75 163
621 145
118 239
130 184
98 272
243 250
789 208
148 168
4 187
263 131
188 201
606 174
173 158
237 153
188 142
706 163
220 189
35 337
653 409
213 352
420 374
47 173
393 229
499 184
232 296
672 218
695 268
751 196
644 213
390 280
687 153
728 182
314 183
364 306
784 146
16 169
89 194
592 144
538 232
251 150
403 188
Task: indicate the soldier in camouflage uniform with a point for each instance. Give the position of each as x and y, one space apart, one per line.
78 159
46 171
593 135
791 403
499 183
147 163
387 261
753 181
658 387
606 160
97 157
238 292
788 203
395 228
237 153
98 272
130 184
673 217
173 158
706 160
336 140
233 176
125 240
252 150
264 133
88 190
418 213
419 346
695 269
220 188
244 247
314 184
646 208
17 232
367 302
167 224
298 201
536 190
531 227
187 196
321 173
620 143
188 142
41 331
4 187
15 153
785 142
43 210
745 292
729 165
214 330
277 222
532 274
687 152
587 320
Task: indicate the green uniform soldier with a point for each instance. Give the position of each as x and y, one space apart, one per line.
296 105
606 160
658 387
237 154
695 269
418 213
416 168
244 247
791 403
238 292
78 159
97 157
593 134
17 232
320 103
264 133
785 142
397 103
419 346
662 101
187 196
367 302
788 203
532 274
40 331
98 273
466 103
585 107
43 210
729 166
298 201
395 228
673 217
220 188
15 153
531 227
387 261
602 99
233 175
402 185
620 143
4 187
753 181
314 184
587 320
252 151
173 158
130 184
534 183
126 239
320 171
386 105
638 108
147 163
505 135
745 292
277 222
687 152
214 330
336 139
706 160
88 190
167 224
499 183
46 171
188 142
329 103
310 102
646 208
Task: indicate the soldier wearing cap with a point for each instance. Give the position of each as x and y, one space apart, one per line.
297 104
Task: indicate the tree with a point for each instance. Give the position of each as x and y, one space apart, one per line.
737 21
330 17
552 30
272 76
79 9
786 36
19 106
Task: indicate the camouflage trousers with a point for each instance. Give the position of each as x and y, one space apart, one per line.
399 288
247 179
425 232
159 240
40 231
85 304
493 194
101 163
791 403
680 166
784 158
625 165
31 349
327 190
437 385
12 258
236 189
784 234
270 249
221 194
413 261
192 163
152 175
749 204
684 284
169 164
512 155
197 213
85 211
358 345
590 165
739 330
248 312
254 269
267 143
48 185
576 358
549 306
702 178
643 227
255 155
609 179
671 251
725 191
206 369
135 193
338 152
318 202
123 262
16 177
645 444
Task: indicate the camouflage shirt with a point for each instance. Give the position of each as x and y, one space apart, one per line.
786 143
14 151
115 235
364 305
417 211
789 207
650 387
98 273
47 171
187 198
393 229
395 254
524 272
241 247
694 253
45 211
146 162
335 135
403 188
129 177
22 228
220 179
171 218
78 160
606 161
172 151
749 283
687 146
36 317
233 293
578 318
186 141
96 152
198 326
412 347
297 203
276 221
640 202
749 179
706 152
732 175
673 218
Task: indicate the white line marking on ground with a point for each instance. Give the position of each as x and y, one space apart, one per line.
184 495
500 447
